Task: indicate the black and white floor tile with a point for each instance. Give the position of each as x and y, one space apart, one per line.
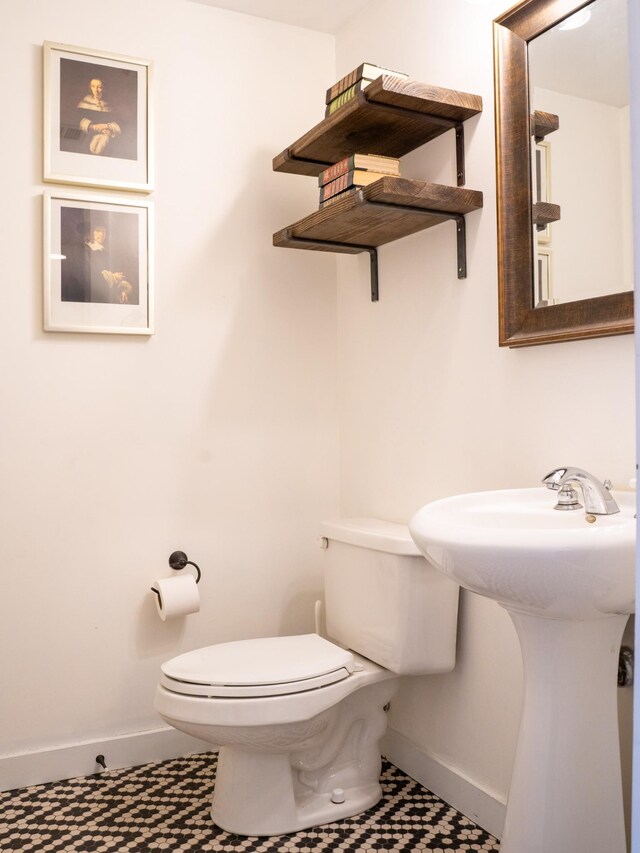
165 807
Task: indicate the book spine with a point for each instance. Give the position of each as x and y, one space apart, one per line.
366 69
337 186
353 178
336 170
344 83
379 164
345 97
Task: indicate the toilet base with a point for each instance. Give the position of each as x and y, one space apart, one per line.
254 795
275 790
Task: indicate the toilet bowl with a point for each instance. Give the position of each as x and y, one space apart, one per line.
299 719
287 747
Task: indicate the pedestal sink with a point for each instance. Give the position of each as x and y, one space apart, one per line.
567 580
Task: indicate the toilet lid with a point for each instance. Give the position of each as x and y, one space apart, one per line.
268 666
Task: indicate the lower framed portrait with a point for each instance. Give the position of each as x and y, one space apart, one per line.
98 264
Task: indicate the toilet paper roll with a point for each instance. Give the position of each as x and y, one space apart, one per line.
178 596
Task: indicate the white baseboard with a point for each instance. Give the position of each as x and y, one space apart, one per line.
485 807
67 762
482 806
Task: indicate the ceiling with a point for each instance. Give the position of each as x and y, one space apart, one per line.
590 62
556 54
325 16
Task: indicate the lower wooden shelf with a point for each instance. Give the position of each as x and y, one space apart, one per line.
384 211
544 212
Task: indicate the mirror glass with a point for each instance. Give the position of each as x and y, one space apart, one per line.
580 156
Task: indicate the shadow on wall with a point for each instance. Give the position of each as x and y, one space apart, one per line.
249 362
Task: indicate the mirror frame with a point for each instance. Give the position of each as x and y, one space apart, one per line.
520 324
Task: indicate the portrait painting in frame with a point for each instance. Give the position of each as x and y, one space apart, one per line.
98 267
97 118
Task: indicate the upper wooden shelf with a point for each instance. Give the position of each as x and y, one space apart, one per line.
542 124
385 210
391 116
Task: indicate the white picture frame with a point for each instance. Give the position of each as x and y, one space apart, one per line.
98 127
542 182
98 263
543 279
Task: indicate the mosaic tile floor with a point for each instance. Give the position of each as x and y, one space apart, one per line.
165 806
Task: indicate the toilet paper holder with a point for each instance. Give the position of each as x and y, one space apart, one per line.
178 560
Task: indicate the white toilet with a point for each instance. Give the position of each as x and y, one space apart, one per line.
299 719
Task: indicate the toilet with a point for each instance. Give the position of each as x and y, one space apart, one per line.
299 719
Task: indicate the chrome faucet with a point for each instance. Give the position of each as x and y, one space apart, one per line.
596 495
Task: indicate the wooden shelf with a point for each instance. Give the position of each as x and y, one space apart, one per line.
384 211
542 124
544 212
391 116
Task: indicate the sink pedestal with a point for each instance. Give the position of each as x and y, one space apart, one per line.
566 787
565 578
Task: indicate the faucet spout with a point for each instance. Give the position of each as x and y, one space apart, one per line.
596 495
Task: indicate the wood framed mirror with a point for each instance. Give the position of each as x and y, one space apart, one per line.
525 317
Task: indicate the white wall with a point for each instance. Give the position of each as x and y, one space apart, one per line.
431 406
218 435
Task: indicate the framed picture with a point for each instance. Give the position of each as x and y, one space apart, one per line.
542 190
97 118
543 279
542 182
98 266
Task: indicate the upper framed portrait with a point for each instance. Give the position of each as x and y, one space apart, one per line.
97 119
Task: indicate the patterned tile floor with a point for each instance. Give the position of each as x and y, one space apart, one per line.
165 806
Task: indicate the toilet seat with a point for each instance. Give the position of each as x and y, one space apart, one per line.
269 666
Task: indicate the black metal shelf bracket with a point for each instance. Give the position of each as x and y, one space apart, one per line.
335 244
373 258
403 111
296 159
431 119
458 218
461 241
460 161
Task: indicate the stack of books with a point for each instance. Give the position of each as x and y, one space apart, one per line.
353 82
352 172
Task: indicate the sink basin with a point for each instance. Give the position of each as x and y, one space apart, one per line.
512 546
567 580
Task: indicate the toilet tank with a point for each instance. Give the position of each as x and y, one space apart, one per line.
384 600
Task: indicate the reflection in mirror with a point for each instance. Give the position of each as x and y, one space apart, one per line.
564 226
580 156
